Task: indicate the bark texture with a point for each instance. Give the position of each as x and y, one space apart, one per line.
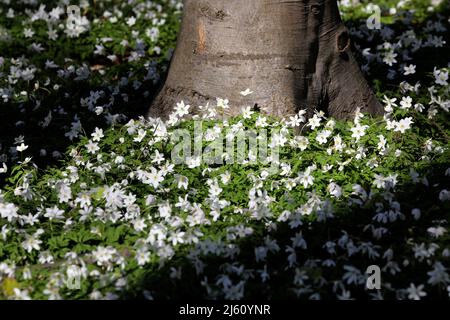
293 54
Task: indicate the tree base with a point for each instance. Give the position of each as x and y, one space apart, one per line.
292 54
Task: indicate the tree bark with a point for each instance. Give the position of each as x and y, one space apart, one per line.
293 54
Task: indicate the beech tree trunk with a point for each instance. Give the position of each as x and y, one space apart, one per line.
293 54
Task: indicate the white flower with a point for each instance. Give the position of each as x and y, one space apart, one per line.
46 258
419 107
338 144
411 69
79 25
21 294
389 104
335 190
177 237
261 122
157 157
182 181
3 168
415 293
247 112
75 272
222 103
131 21
152 33
54 213
406 103
382 143
225 177
437 231
380 181
28 33
277 140
84 199
390 125
32 242
164 210
114 197
306 179
391 181
246 92
155 177
389 58
322 136
22 147
441 76
182 109
330 125
103 255
26 273
285 169
314 122
112 57
98 110
119 160
294 121
97 135
64 193
139 225
438 275
142 257
403 125
92 147
301 142
193 162
150 200
141 135
8 211
358 131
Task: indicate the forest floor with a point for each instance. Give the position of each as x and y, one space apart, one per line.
93 205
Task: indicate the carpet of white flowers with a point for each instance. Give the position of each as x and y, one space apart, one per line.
116 212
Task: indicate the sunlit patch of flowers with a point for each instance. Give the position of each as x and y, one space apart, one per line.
120 216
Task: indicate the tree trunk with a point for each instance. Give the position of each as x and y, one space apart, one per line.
293 54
